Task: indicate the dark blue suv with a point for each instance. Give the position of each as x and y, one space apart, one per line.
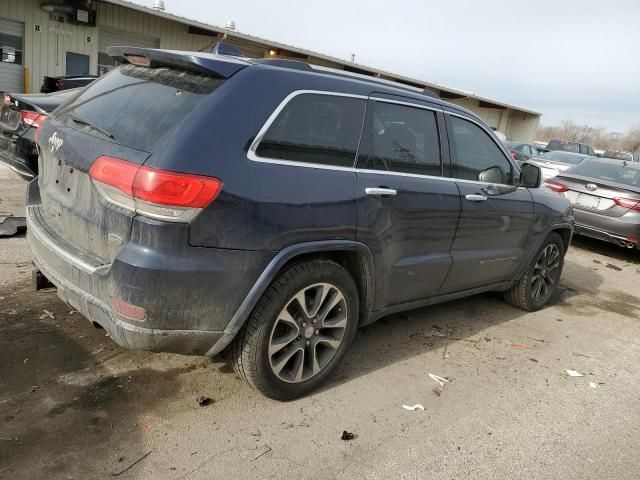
200 203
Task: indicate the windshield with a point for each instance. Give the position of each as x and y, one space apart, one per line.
611 172
136 106
563 157
512 145
563 146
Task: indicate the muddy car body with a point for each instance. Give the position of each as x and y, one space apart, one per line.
194 203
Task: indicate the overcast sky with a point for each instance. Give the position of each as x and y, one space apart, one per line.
569 59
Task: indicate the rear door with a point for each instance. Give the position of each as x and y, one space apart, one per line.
496 215
407 210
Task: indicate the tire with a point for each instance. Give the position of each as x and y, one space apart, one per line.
523 293
257 353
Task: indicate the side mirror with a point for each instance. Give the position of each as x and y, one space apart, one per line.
530 175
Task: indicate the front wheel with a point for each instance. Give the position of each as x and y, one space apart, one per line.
535 287
299 331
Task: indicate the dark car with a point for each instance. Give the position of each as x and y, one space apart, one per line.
55 84
606 199
195 203
573 147
20 118
521 151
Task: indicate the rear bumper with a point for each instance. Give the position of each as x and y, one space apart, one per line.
18 164
189 294
609 229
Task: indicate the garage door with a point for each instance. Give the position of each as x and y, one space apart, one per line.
11 62
116 38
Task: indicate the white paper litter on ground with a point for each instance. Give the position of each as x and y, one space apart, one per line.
573 373
593 384
438 379
413 408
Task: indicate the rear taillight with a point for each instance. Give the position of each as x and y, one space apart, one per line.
59 85
555 186
32 119
630 203
514 154
171 196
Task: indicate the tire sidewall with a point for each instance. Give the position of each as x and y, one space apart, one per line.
277 296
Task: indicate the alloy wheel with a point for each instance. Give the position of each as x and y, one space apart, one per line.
308 332
545 273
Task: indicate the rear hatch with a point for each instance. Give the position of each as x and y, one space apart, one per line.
609 189
128 114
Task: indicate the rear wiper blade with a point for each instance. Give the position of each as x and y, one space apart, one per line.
78 119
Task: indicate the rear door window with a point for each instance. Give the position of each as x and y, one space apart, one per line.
476 156
136 106
315 128
401 138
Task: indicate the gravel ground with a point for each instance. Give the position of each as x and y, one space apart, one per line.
75 405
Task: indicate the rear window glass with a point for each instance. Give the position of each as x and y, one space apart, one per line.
610 172
564 146
136 106
563 157
314 128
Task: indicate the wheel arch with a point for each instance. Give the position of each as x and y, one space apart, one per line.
354 256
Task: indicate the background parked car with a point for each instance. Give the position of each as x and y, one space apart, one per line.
615 155
573 147
20 117
556 162
606 199
56 84
521 151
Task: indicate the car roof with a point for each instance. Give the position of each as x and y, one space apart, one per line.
225 66
608 161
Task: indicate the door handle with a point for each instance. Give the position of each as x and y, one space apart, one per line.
475 198
380 192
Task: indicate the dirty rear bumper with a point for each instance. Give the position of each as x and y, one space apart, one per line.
189 294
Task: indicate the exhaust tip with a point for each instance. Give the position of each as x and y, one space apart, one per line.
622 243
631 245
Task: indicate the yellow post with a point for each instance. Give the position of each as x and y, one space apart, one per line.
26 79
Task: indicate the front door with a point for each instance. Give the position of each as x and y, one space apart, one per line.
407 211
496 215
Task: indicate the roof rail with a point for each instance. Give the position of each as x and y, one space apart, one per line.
370 79
283 63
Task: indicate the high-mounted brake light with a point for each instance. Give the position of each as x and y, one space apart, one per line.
555 186
139 60
32 119
155 193
630 203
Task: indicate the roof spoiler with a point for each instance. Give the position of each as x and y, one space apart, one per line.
222 67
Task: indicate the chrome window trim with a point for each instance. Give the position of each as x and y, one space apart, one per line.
252 155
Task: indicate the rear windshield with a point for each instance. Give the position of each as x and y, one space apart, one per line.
513 145
610 172
563 157
563 146
619 156
137 106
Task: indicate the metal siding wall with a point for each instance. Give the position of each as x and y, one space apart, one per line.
40 54
522 127
11 73
172 35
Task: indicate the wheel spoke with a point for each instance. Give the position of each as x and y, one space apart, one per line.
279 343
302 301
298 367
280 364
330 341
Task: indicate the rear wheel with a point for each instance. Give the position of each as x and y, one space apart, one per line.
535 287
299 331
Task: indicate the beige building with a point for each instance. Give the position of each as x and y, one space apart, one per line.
69 37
